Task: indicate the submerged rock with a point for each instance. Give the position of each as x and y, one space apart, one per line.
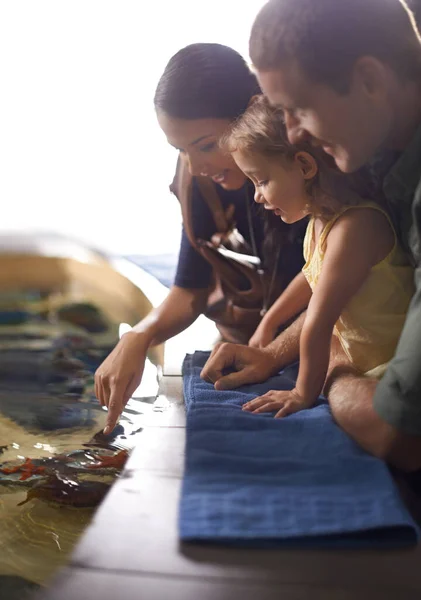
68 492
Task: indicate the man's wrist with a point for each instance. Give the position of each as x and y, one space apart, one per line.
278 354
285 349
273 363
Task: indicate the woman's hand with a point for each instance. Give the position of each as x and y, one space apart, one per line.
263 336
120 375
285 402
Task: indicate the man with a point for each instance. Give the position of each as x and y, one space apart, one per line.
347 74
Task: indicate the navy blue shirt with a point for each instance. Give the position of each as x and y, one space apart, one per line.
194 271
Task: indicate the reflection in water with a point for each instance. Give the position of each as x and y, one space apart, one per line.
56 465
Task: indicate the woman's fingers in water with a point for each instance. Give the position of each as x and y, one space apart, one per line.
102 389
98 390
114 411
120 394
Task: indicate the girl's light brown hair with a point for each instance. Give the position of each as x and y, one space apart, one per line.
261 130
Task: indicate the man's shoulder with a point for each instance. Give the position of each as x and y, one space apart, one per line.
402 188
405 171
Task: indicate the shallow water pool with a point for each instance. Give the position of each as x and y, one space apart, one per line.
55 463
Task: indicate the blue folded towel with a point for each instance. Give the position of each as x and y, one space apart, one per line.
255 480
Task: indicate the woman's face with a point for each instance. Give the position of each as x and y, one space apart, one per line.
197 140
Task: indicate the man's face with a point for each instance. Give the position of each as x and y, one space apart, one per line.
351 127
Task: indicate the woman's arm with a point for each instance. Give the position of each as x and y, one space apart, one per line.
121 372
178 311
357 241
292 301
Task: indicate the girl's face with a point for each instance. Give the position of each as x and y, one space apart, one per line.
280 183
197 140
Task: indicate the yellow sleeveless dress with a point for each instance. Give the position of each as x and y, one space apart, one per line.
370 325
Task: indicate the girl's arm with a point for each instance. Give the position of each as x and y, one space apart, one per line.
359 239
292 301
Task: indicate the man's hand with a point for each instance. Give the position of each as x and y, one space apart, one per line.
250 365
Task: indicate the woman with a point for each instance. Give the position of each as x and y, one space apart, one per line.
203 89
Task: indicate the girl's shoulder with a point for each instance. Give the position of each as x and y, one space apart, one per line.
367 224
363 216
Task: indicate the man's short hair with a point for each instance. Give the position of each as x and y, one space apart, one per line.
326 37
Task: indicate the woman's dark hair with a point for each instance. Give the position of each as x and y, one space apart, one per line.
205 81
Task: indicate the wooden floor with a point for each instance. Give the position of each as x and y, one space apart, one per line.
131 550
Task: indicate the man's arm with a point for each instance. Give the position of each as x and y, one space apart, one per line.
397 398
385 417
351 400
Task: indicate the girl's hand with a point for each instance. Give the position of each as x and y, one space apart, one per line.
262 337
285 402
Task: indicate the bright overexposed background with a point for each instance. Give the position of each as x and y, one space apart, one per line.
80 150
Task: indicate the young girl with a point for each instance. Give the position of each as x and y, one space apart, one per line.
356 283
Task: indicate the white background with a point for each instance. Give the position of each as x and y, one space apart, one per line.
80 150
